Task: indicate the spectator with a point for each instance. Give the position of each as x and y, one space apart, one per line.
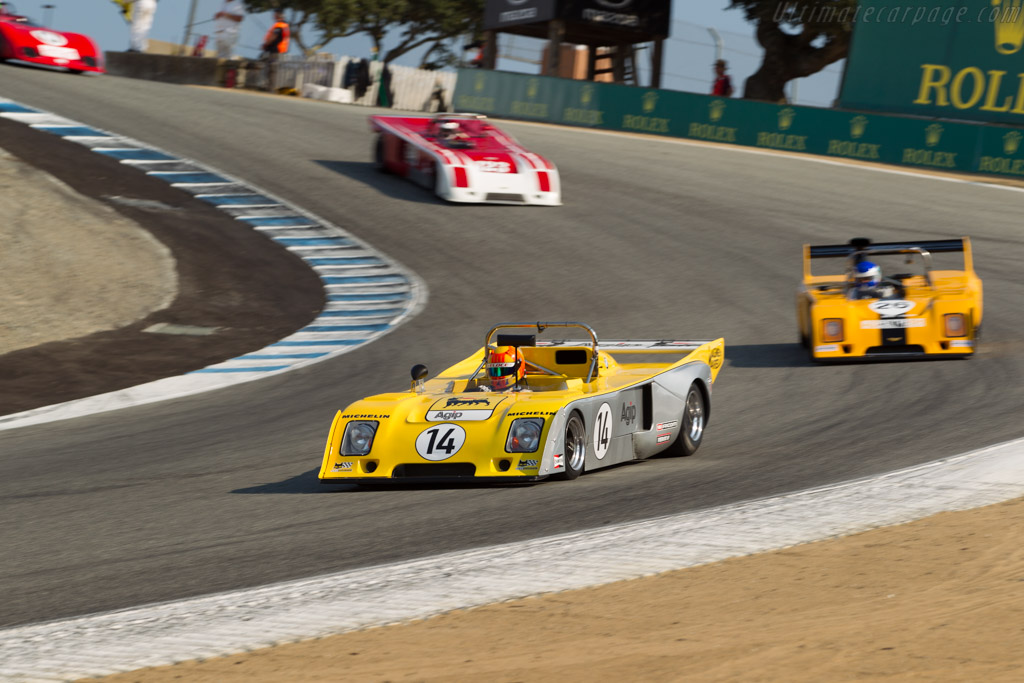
723 84
437 95
228 20
275 44
142 20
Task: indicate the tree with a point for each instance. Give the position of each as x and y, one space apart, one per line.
799 37
415 23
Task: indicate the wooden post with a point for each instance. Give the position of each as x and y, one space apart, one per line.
556 31
656 59
490 50
619 63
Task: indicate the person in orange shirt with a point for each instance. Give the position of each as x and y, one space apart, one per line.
275 44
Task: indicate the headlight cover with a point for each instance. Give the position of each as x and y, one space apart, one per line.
524 435
358 439
832 330
955 326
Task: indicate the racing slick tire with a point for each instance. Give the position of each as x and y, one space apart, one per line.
575 448
438 176
691 424
378 154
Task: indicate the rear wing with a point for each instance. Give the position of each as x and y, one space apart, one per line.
859 247
635 345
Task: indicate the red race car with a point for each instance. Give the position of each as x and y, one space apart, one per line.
26 41
464 158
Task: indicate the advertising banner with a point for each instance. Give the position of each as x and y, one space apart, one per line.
500 14
645 17
943 58
899 140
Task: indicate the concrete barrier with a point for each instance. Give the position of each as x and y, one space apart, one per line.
166 68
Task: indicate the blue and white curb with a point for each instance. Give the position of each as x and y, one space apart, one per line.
368 294
238 621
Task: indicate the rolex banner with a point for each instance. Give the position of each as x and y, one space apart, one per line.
958 59
880 138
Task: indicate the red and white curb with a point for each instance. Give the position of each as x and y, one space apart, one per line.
237 621
368 293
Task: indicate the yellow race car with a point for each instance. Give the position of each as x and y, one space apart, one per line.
919 311
523 409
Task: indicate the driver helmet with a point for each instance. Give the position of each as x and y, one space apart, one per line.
505 367
867 274
449 129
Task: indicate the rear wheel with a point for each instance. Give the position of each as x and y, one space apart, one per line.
574 448
691 424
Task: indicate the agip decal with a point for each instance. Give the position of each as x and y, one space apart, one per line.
463 408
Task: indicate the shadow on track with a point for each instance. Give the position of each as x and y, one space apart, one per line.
307 482
766 356
390 185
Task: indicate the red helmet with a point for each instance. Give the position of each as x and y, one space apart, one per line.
505 367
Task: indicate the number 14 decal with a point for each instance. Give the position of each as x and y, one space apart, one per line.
602 431
440 442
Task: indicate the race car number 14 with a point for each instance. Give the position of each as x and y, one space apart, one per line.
440 442
602 431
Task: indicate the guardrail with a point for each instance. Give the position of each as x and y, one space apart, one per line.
901 140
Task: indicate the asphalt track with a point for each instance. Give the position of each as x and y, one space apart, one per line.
656 239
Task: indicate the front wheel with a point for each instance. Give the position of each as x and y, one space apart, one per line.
439 183
574 448
692 421
378 155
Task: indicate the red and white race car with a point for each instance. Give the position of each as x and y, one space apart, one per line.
464 158
26 41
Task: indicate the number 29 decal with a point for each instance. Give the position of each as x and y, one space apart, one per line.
602 431
440 442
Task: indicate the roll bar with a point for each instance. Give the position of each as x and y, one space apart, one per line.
540 327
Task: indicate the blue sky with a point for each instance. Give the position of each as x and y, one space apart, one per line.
688 55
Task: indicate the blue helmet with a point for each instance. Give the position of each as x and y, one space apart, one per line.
867 273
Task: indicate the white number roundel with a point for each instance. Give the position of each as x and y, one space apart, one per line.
890 308
49 38
440 442
602 431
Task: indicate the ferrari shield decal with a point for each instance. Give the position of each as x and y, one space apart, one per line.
440 442
890 308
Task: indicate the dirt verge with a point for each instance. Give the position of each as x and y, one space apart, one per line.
230 277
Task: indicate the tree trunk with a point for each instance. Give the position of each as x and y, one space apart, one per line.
768 83
788 56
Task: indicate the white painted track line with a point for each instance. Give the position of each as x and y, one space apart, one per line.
241 620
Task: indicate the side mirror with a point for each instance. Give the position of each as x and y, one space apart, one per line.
419 374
